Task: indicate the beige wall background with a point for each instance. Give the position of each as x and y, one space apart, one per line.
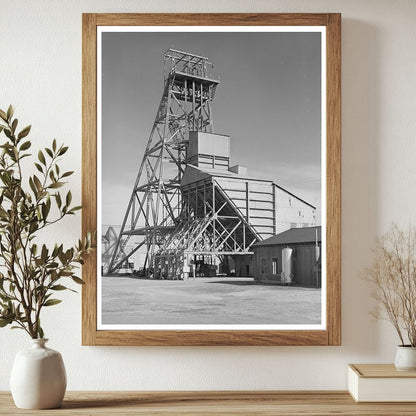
40 73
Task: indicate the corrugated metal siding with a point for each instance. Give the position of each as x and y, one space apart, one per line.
254 196
208 144
271 210
307 271
292 212
268 208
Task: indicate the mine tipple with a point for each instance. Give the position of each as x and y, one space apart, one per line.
190 212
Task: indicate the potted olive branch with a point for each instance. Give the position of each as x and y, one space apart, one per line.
31 272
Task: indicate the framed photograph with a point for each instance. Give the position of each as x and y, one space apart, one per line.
211 172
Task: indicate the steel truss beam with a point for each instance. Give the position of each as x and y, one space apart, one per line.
212 226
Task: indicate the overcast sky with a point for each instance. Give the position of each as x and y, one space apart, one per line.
268 101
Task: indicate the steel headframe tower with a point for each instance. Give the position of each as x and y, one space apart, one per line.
154 208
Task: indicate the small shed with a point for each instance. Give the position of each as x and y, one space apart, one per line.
291 257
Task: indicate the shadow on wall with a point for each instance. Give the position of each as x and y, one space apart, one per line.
360 181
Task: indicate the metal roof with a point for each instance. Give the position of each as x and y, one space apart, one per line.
294 235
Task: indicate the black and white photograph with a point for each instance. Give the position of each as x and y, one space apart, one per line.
211 178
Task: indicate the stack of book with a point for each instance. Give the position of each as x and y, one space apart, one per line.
381 383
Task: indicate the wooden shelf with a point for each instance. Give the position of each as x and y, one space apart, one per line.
212 403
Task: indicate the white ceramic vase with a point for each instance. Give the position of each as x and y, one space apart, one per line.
38 378
405 358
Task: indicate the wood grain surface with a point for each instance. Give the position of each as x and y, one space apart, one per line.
333 179
212 403
380 371
212 19
89 173
332 334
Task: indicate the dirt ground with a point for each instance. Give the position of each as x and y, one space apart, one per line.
215 300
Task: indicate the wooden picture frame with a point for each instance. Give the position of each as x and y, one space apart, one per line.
331 335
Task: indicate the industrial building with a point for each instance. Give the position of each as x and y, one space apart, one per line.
190 212
292 257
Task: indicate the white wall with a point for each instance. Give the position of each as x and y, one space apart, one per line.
40 73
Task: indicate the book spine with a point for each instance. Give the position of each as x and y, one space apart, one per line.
353 381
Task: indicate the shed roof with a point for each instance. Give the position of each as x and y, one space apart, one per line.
294 235
224 173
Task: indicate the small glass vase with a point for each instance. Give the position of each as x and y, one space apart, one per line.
38 377
405 358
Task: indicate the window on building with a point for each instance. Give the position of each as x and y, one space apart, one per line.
274 265
263 268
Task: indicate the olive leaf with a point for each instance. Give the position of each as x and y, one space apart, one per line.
32 271
24 133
